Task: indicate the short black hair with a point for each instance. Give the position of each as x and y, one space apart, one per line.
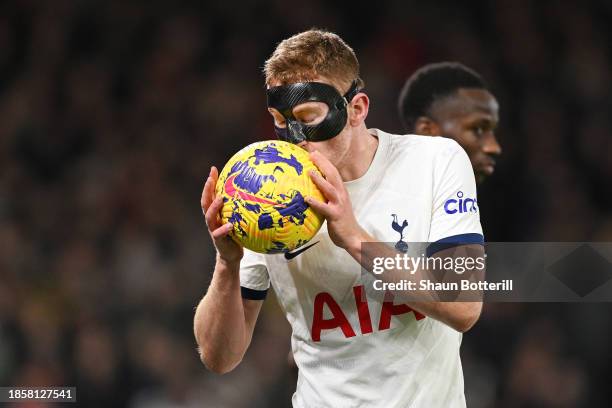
430 84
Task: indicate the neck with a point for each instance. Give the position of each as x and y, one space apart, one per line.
359 157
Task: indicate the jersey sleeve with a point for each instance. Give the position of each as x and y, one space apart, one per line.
254 278
455 214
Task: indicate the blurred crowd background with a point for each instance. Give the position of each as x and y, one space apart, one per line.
112 112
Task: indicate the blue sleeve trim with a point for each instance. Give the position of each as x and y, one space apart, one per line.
253 294
455 240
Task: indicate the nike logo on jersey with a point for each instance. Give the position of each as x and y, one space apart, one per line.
291 255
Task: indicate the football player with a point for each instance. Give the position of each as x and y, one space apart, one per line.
352 345
451 100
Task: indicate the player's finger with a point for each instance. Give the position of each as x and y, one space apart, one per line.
212 214
214 173
325 186
222 231
327 168
207 195
320 207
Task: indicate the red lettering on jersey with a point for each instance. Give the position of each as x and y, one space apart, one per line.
363 310
339 319
389 309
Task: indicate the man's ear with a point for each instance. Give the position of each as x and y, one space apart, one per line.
427 127
358 109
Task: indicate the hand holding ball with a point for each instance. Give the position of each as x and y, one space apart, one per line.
263 187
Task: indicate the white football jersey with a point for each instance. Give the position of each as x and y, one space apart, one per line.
353 353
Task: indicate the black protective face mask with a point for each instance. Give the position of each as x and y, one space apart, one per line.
285 98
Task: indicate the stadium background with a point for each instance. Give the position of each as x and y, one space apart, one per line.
112 112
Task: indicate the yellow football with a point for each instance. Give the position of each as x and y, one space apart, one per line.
263 188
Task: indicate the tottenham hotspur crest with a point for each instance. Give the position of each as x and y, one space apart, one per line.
400 245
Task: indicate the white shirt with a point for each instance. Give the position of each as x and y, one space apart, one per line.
408 360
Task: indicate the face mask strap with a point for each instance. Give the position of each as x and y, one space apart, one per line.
353 90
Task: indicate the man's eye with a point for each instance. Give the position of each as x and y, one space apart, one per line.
311 119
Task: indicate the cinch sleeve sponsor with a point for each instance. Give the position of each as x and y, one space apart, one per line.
455 211
254 278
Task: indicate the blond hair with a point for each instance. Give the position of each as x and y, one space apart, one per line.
311 54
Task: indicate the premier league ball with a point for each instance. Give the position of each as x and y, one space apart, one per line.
263 188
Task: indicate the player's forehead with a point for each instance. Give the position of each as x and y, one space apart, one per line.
468 102
479 100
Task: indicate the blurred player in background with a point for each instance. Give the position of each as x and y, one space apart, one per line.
352 347
451 100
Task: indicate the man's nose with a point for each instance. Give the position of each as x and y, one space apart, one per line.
491 145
